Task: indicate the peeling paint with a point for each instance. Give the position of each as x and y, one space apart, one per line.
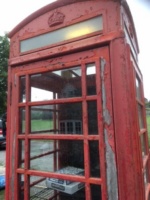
106 115
112 185
111 171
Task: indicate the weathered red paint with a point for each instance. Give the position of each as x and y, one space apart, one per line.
114 51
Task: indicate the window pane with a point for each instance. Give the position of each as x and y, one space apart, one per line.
94 159
39 190
140 113
91 79
63 34
22 120
92 118
95 192
146 176
21 153
21 186
138 89
57 84
57 156
143 145
60 118
22 89
42 119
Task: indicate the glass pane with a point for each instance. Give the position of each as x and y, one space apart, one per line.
21 153
146 176
91 79
96 192
92 118
61 156
22 121
143 145
63 34
94 159
21 186
140 113
22 90
138 89
57 84
60 118
42 119
39 189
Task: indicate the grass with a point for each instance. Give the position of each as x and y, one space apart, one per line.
41 125
148 127
2 193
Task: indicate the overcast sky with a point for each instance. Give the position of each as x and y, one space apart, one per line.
13 12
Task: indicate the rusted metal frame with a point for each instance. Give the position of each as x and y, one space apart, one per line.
120 165
134 124
140 132
101 129
108 125
17 150
146 133
146 162
27 142
58 101
55 142
121 114
15 132
12 136
133 101
143 132
59 137
10 126
77 45
91 180
51 64
85 132
75 178
8 140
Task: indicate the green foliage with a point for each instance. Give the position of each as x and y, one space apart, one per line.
148 127
4 54
148 104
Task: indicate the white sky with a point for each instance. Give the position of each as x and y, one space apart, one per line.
13 12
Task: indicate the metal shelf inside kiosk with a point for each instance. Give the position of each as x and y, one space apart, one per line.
43 194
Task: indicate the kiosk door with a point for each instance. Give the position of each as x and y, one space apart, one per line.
63 136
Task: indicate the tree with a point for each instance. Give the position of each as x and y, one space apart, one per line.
4 54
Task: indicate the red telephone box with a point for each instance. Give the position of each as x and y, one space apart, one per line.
76 113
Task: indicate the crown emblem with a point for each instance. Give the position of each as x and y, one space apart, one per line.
56 18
